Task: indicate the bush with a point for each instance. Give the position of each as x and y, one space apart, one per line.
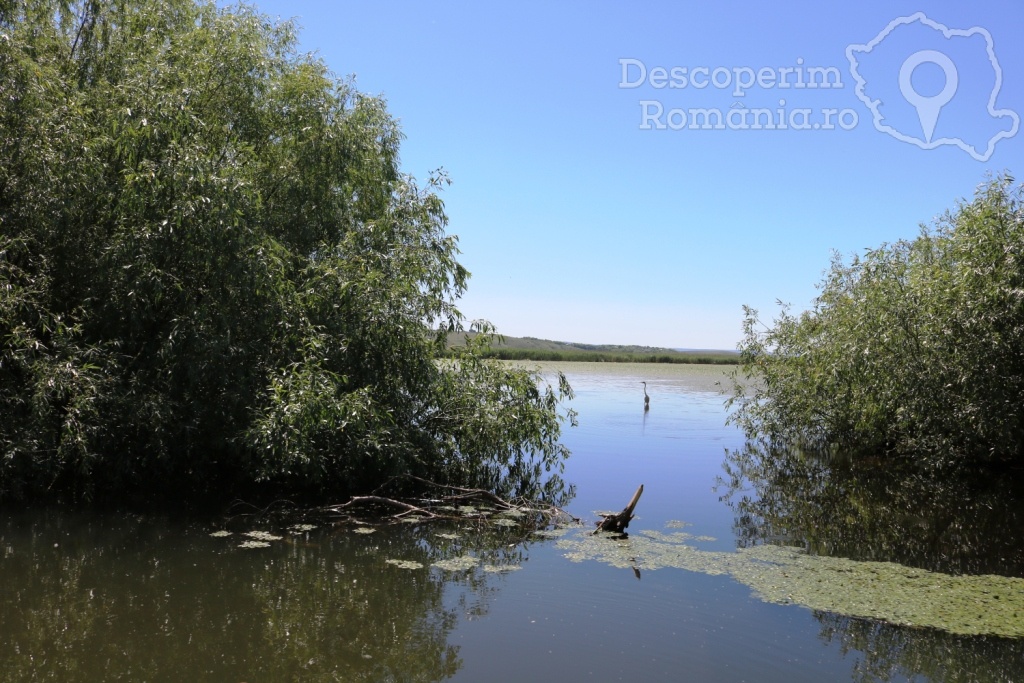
214 275
915 348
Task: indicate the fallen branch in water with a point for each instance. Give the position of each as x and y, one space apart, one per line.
407 508
454 505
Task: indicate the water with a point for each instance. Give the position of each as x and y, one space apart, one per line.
131 598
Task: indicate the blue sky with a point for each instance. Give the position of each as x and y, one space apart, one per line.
580 225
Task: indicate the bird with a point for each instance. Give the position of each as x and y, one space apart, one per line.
647 399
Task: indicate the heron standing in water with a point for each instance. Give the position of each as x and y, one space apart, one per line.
647 399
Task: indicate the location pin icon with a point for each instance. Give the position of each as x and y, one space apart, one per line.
928 108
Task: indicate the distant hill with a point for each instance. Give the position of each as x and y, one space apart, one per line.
531 348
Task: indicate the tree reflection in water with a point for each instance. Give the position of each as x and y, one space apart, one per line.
132 598
954 522
888 653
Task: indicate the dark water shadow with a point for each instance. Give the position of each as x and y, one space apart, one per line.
128 598
962 522
965 521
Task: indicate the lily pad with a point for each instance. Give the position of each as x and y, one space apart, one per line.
221 534
254 544
364 530
262 536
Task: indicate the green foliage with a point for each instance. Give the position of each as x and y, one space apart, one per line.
917 347
213 272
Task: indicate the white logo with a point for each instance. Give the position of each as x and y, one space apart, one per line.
907 110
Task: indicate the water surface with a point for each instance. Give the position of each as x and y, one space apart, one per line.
133 598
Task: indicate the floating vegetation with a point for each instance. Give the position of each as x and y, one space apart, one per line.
364 530
676 537
405 564
501 568
301 528
221 534
882 591
414 519
456 564
677 524
504 522
467 510
557 532
254 544
262 536
515 513
450 537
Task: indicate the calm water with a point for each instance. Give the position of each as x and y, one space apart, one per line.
127 598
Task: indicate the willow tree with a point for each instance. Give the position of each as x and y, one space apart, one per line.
915 348
213 272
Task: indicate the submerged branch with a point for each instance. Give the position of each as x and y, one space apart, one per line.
455 505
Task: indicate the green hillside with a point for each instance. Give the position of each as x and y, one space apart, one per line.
531 348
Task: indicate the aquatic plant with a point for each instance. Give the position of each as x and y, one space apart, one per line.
459 563
405 564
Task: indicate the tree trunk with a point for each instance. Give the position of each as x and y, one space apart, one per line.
618 523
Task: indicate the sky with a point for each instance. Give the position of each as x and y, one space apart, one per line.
636 173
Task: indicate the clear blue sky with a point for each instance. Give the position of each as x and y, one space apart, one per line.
579 225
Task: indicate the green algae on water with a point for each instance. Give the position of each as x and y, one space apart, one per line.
881 591
557 532
504 522
456 564
405 564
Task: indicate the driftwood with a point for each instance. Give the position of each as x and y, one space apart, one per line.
618 523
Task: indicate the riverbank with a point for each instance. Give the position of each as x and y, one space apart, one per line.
532 349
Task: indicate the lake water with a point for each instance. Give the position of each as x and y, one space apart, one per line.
139 598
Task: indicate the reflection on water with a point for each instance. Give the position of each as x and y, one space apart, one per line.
883 652
123 598
126 598
951 522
